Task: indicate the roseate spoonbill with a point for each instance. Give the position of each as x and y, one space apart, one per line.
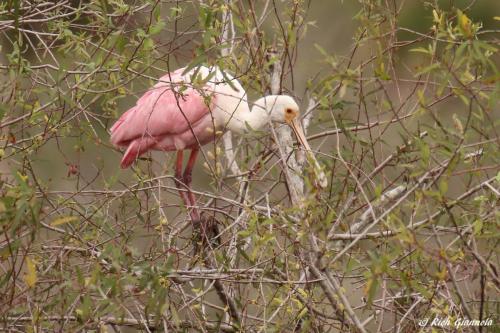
189 108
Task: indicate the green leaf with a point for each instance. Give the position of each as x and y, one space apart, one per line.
478 226
3 111
428 69
381 72
196 62
121 42
157 28
63 220
425 151
443 186
371 288
420 50
22 180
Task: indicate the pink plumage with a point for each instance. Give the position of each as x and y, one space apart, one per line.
187 110
172 115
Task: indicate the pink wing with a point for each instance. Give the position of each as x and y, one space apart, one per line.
158 113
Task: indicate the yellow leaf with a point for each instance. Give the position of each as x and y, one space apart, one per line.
63 220
302 292
458 124
496 18
465 23
441 275
23 177
30 277
437 19
343 90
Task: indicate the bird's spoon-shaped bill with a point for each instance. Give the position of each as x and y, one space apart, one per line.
299 132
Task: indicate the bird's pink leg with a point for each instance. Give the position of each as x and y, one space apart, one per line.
179 182
187 178
206 229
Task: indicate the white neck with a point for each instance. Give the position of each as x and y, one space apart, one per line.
244 120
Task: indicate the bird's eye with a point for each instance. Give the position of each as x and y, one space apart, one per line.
289 111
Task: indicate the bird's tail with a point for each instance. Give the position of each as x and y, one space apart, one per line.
135 149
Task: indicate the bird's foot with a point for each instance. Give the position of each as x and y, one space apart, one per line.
205 233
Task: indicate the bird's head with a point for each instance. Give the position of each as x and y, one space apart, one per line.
284 109
280 108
